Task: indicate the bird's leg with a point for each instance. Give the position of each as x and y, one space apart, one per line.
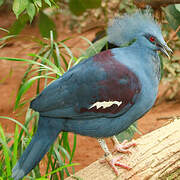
113 162
123 147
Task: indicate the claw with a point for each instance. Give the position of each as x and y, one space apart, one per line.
113 162
123 147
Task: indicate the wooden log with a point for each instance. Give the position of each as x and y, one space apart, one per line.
156 156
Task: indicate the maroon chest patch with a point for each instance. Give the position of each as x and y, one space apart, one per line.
118 91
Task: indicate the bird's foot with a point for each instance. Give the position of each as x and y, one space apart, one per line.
113 162
124 146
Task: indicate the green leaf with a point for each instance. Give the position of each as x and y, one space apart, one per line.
53 67
38 3
59 169
79 6
5 30
31 11
5 151
129 133
177 6
48 2
19 6
74 148
1 2
24 88
17 122
94 48
173 17
46 25
18 25
15 145
76 7
91 4
52 1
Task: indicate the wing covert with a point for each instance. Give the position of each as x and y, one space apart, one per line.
98 87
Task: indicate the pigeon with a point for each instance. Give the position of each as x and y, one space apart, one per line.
102 95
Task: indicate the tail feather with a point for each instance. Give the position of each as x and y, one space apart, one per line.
45 136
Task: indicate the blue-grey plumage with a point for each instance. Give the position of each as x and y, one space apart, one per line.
39 145
103 95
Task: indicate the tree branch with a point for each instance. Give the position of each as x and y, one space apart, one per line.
156 4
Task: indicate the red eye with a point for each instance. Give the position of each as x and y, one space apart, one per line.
152 39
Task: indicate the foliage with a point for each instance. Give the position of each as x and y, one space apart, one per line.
78 7
44 29
173 16
26 10
46 64
53 63
98 18
32 7
12 148
171 69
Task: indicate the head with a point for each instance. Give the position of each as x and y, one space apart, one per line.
139 26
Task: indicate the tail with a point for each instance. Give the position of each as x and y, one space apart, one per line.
47 132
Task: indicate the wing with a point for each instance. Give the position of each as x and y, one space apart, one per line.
100 86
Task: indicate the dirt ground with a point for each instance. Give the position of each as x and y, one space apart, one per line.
88 149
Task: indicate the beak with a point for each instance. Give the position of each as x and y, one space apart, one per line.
164 48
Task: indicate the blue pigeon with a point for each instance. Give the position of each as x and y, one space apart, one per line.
102 95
